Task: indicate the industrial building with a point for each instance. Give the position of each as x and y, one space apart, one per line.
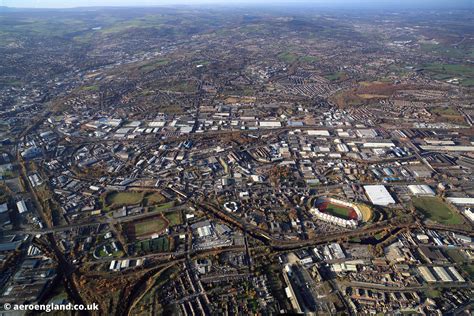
421 190
378 195
21 205
461 200
442 274
379 145
426 274
448 148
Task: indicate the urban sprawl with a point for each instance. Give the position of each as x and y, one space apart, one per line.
234 161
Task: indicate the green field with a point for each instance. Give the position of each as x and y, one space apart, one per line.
153 65
449 111
337 210
148 21
117 199
447 50
433 293
201 62
161 244
90 88
9 82
151 226
153 198
447 71
288 57
435 209
309 59
174 218
162 207
337 76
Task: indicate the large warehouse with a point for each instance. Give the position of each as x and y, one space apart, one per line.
421 189
378 195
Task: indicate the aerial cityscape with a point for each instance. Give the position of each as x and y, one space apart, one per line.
237 160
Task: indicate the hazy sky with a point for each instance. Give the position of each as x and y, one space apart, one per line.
85 3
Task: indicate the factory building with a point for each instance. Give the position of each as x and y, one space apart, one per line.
378 195
421 190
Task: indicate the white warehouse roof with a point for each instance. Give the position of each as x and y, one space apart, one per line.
426 274
378 195
156 124
447 148
270 124
315 132
422 189
461 200
378 145
21 205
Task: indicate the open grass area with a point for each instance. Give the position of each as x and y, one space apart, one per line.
337 76
447 71
445 111
379 236
308 59
348 98
435 209
156 200
288 57
117 199
448 113
90 88
174 218
446 50
433 293
153 65
371 96
162 207
149 227
9 174
240 99
153 198
171 109
201 62
121 25
9 82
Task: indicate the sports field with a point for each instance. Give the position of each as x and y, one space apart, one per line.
435 209
366 211
338 210
147 227
161 244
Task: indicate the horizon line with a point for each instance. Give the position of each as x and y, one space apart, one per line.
365 4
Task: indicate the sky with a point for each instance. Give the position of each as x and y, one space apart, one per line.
86 3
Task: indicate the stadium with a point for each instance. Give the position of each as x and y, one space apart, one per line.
337 212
